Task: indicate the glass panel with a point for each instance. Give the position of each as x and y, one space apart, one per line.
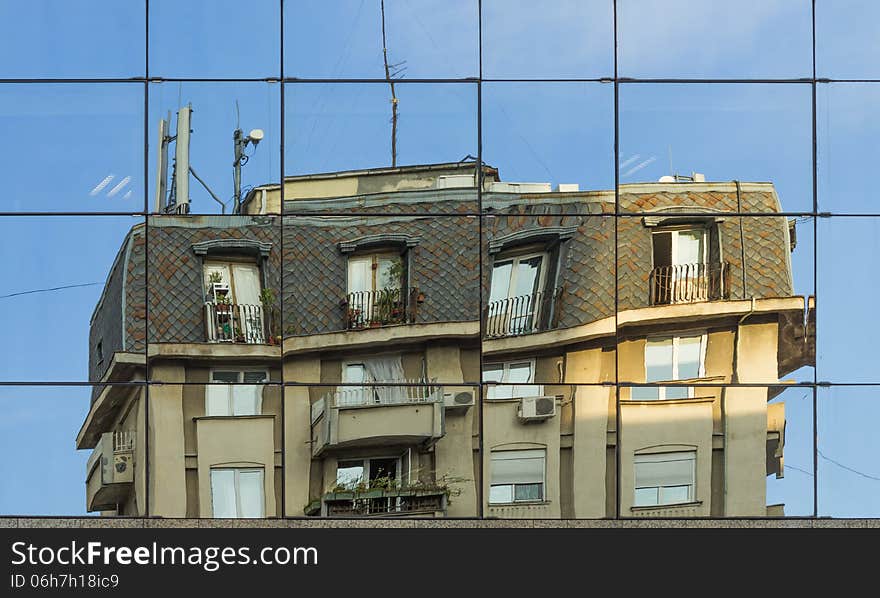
690 357
223 493
847 323
250 492
671 136
528 492
384 469
501 273
43 473
552 39
217 400
63 294
646 497
527 276
519 373
664 469
846 39
501 494
246 399
520 470
215 38
670 495
493 373
848 126
343 39
689 247
442 295
255 377
386 277
349 473
89 137
218 109
790 452
217 376
92 38
337 127
678 38
531 130
848 445
658 360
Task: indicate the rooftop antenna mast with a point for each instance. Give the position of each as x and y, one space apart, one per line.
398 68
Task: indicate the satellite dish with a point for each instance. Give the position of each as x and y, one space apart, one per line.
256 135
667 179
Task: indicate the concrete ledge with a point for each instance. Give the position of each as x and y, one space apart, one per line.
156 523
370 337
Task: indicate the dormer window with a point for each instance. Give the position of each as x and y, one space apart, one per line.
233 304
516 295
376 291
686 265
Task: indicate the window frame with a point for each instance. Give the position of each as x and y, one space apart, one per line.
375 258
505 375
496 454
215 387
691 455
515 258
675 230
236 488
227 264
676 338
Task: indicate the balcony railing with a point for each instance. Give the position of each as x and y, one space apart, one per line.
382 307
398 394
689 283
524 314
235 323
378 503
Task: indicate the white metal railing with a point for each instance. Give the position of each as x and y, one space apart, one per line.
234 323
123 441
402 392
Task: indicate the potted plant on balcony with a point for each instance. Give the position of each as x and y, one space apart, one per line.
239 335
267 299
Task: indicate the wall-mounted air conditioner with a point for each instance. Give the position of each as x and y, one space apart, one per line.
458 397
536 408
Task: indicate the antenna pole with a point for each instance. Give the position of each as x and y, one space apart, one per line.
394 100
239 142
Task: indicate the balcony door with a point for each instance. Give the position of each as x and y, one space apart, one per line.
374 288
234 288
680 265
515 294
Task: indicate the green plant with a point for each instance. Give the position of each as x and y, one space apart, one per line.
215 277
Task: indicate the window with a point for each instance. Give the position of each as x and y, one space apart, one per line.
664 478
350 473
681 270
517 476
372 370
99 351
234 290
242 393
679 247
232 282
367 273
672 358
375 294
237 493
515 294
514 380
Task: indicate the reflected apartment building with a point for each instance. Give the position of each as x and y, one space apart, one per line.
618 366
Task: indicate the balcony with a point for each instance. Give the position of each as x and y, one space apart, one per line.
377 416
234 323
385 503
525 314
689 283
382 307
110 471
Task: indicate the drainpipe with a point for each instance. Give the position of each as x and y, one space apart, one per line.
742 241
734 379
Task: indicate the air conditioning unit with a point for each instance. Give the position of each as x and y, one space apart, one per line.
458 398
536 408
123 471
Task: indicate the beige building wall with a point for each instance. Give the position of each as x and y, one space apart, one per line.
253 447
